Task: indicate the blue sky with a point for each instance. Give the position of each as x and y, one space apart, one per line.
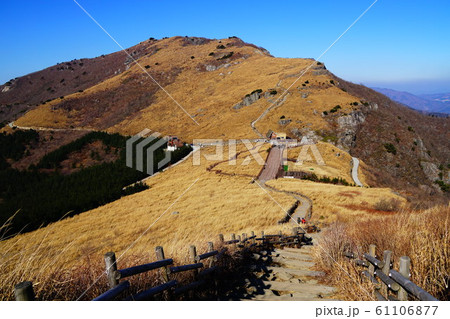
399 44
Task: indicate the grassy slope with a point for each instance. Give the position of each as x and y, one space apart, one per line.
215 204
335 202
208 96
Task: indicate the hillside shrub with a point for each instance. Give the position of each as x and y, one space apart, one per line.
335 109
444 186
226 56
390 148
387 205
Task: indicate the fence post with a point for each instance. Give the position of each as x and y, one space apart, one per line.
295 233
252 234
165 271
24 291
233 237
192 257
192 253
221 239
262 236
244 239
210 249
404 270
160 256
387 266
111 268
372 249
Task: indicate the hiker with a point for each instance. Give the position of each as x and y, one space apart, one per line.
303 221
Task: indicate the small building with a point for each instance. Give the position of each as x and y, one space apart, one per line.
278 136
173 143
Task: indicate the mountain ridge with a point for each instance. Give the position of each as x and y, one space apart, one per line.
422 102
225 84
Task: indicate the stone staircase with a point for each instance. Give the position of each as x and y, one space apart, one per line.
289 276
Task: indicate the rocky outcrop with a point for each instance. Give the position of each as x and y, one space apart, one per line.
251 98
248 100
305 133
319 70
284 122
430 170
348 126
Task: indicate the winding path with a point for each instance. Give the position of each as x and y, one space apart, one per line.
39 128
355 163
269 172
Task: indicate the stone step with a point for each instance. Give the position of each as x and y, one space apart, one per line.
289 255
294 263
296 272
299 288
303 249
289 297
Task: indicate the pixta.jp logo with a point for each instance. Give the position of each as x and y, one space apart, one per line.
141 150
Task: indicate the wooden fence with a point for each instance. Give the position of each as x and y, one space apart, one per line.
203 266
389 284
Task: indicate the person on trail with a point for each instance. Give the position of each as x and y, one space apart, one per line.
303 221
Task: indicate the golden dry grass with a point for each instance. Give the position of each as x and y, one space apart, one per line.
421 235
215 204
209 96
337 162
336 202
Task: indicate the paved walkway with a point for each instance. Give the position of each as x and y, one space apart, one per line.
272 164
355 163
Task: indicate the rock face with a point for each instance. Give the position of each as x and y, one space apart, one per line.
320 70
430 170
248 100
305 133
284 122
348 125
251 98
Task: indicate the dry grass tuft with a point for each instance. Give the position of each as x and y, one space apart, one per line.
421 235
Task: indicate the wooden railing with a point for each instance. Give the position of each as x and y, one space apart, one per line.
388 283
203 266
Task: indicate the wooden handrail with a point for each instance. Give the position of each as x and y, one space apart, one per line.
114 292
176 269
411 287
390 279
153 291
206 255
24 290
127 272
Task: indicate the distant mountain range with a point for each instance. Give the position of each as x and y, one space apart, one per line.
429 103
